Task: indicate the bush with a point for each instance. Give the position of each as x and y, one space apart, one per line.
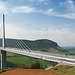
36 65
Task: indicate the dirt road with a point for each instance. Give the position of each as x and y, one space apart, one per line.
28 72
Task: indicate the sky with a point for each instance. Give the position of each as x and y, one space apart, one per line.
40 19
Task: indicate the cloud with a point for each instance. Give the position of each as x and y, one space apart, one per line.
57 14
69 4
23 9
3 7
68 15
45 2
69 10
38 1
61 36
50 11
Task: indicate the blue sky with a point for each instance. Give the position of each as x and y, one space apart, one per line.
40 19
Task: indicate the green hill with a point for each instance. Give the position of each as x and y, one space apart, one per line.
38 45
44 45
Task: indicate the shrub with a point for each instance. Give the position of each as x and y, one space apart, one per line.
36 65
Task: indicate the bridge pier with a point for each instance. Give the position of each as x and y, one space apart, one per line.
50 64
3 59
3 53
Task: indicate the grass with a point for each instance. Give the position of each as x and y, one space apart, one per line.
64 69
16 60
25 61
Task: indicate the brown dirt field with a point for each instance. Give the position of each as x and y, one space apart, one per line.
28 72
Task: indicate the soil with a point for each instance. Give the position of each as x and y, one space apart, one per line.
28 72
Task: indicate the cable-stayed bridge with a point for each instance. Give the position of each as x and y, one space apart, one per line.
20 47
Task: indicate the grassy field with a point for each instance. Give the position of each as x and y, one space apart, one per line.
16 60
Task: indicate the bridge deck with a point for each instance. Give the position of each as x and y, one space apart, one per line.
42 55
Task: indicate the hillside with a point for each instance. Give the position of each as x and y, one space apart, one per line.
41 45
44 45
70 48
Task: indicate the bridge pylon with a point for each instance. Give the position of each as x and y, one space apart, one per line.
3 53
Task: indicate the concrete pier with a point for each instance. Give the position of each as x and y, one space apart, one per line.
3 59
3 53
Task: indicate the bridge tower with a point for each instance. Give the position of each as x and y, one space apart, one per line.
3 53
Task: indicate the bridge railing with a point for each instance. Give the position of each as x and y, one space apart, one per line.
55 54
